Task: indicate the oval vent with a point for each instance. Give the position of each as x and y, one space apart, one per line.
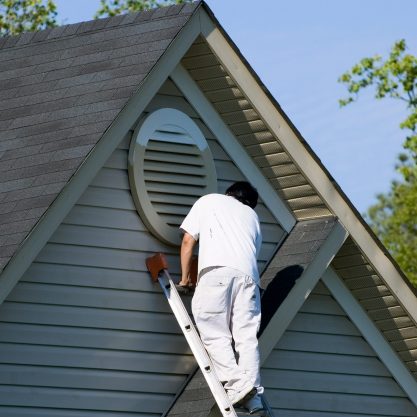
170 167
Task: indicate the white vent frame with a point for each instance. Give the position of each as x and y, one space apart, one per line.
174 129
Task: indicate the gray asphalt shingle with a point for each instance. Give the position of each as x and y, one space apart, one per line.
60 89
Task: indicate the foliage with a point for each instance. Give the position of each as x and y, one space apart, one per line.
114 7
17 16
393 218
394 215
396 77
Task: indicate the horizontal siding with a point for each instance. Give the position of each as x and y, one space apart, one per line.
348 404
322 366
16 411
337 383
87 317
142 362
95 400
94 338
85 332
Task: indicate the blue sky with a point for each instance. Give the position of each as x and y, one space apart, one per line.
299 48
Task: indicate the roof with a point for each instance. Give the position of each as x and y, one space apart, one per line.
60 89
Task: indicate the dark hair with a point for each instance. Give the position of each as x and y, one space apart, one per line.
244 192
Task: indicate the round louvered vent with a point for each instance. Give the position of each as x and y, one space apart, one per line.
170 167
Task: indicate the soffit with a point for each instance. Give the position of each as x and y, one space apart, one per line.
252 133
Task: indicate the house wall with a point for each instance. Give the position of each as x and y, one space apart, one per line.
85 332
322 366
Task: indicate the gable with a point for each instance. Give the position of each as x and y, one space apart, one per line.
322 364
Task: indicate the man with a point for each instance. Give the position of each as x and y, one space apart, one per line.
226 303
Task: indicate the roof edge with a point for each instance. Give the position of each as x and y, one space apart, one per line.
94 25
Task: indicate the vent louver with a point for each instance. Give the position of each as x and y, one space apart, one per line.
170 167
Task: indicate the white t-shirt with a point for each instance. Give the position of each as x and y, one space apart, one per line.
228 232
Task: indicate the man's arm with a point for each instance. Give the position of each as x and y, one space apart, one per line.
187 245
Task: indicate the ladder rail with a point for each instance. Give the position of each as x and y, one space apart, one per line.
194 341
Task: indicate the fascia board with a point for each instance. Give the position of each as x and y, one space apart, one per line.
216 124
296 148
118 130
371 333
301 290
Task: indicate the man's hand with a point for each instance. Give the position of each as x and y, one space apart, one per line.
187 245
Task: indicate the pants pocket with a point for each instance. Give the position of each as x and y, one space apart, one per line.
211 296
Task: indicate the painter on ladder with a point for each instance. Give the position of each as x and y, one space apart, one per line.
226 303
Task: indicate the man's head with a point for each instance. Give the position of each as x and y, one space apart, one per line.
244 192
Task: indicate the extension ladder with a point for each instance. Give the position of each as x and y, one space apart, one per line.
158 267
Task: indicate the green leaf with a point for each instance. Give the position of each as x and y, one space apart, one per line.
17 16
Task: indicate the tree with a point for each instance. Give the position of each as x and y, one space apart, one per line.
17 16
394 216
114 7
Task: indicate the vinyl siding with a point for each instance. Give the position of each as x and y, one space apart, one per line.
322 366
85 332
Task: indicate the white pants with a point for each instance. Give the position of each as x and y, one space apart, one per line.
226 309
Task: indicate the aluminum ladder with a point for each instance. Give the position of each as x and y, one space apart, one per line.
158 267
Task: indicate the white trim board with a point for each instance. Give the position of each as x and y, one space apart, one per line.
123 122
310 168
371 333
301 290
234 149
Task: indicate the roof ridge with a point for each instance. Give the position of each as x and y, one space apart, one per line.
93 25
